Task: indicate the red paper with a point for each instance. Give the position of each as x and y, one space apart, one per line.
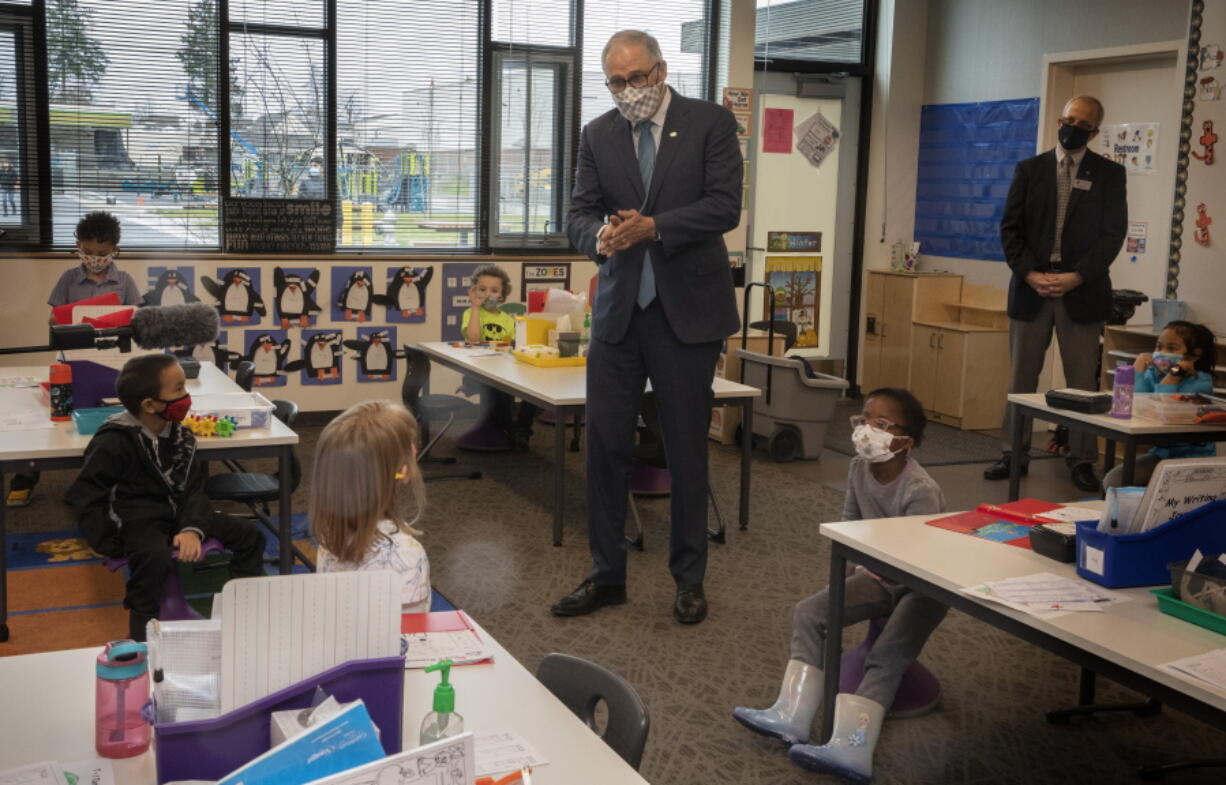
63 313
964 522
437 621
1020 511
117 319
777 131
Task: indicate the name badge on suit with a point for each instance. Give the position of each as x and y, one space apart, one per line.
1083 185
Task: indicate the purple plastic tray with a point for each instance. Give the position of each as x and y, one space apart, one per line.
211 749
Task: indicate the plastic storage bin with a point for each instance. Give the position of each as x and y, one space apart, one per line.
793 410
1119 561
1175 409
88 421
249 410
211 749
1169 604
1203 591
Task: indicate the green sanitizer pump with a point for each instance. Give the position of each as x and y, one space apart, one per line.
443 721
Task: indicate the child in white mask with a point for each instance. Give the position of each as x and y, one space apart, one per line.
883 481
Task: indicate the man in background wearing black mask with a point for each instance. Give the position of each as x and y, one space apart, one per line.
1064 222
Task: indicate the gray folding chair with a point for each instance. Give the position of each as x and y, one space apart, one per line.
581 685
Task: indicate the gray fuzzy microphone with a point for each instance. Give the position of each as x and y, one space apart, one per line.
172 326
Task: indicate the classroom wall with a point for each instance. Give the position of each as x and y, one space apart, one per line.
24 313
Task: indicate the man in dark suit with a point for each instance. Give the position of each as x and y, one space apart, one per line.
1064 222
657 184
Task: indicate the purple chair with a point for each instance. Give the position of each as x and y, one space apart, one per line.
919 692
173 605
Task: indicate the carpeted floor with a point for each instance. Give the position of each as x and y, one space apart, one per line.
490 553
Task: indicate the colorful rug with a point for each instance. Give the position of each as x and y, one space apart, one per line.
61 596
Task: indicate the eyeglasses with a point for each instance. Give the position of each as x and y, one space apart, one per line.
877 422
616 84
1082 124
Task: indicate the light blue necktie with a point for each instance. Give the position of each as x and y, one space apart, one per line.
647 162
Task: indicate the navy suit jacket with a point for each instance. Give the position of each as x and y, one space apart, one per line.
694 197
1094 228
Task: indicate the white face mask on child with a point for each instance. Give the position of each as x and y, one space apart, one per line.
873 444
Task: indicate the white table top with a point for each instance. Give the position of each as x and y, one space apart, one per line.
1134 634
57 691
566 386
62 439
1135 426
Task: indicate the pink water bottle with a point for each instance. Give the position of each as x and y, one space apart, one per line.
122 691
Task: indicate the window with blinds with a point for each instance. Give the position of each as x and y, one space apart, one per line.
828 31
679 25
19 205
132 121
408 122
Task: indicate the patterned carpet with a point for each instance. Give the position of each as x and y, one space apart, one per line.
490 553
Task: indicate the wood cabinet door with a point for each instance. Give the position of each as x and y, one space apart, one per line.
950 373
896 340
924 364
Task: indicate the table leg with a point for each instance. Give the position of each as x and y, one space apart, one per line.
284 546
1130 460
1020 423
4 556
1109 457
834 642
1085 687
746 455
559 472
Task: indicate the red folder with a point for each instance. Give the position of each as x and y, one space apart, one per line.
437 621
1026 512
117 319
1020 511
63 313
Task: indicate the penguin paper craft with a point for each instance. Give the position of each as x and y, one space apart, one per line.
237 299
295 300
171 288
354 298
406 294
375 356
321 357
268 354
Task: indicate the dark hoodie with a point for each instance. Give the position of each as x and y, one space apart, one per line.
130 480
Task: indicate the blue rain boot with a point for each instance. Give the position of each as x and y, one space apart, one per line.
849 755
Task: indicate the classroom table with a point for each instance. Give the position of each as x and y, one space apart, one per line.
56 690
61 447
563 391
1126 643
1130 432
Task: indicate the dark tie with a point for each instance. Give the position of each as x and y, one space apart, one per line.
647 162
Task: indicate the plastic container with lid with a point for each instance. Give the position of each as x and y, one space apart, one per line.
1175 409
249 410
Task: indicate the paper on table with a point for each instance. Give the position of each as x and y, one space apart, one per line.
459 646
22 409
1071 514
44 773
97 771
18 381
449 760
1045 588
504 751
1209 667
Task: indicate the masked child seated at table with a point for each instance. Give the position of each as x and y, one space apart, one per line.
883 481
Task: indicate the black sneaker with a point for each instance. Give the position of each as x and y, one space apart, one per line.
1000 469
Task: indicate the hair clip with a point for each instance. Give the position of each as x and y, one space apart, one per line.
399 475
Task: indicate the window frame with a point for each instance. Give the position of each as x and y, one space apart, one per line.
31 115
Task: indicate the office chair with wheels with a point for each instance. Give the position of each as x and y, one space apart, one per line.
258 490
581 685
429 408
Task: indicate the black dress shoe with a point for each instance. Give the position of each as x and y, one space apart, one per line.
589 597
691 604
1000 469
1084 477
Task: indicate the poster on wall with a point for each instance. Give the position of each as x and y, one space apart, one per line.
795 282
268 350
457 279
816 137
1133 145
321 357
171 285
794 241
294 300
777 130
539 276
739 101
236 293
352 294
374 351
406 294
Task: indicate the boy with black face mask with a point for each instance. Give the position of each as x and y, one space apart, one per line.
141 490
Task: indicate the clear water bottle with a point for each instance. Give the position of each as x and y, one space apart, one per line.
122 692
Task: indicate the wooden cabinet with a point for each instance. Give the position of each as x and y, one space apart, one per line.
960 373
894 301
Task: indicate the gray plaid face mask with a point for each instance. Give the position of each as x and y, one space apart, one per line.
637 104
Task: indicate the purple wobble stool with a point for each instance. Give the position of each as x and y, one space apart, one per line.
648 480
484 437
173 604
919 692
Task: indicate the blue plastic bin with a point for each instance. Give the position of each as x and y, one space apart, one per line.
1123 560
88 421
211 749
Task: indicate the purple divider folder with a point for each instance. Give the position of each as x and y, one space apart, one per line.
211 749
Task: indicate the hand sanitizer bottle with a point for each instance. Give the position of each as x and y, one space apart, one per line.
443 721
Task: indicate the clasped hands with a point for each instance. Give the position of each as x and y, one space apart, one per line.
1053 284
625 229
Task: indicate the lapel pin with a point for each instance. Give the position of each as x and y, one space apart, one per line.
672 133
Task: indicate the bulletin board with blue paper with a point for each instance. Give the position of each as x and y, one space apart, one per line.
967 153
